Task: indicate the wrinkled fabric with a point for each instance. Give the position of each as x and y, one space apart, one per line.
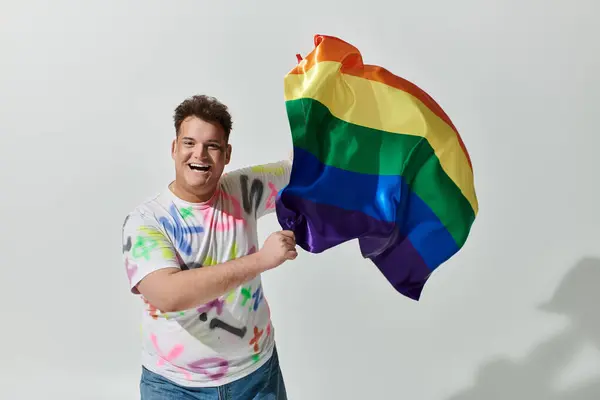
375 159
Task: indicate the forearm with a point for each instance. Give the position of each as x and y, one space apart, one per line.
170 289
191 288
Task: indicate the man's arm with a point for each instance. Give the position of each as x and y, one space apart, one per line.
167 287
173 289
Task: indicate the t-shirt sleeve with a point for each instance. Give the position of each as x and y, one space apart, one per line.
260 184
146 248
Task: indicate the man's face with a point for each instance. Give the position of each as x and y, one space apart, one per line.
200 153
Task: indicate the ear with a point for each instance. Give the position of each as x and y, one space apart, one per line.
228 154
173 148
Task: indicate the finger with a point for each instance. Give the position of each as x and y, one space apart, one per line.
289 241
290 247
288 234
291 255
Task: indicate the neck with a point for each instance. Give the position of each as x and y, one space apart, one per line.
189 195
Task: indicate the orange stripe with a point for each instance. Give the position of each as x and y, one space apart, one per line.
329 48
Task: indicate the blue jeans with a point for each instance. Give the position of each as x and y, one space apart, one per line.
266 383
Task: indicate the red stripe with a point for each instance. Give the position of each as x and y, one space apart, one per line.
329 48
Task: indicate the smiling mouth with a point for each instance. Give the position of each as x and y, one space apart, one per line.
199 167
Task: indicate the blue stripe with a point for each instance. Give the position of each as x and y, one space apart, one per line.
385 198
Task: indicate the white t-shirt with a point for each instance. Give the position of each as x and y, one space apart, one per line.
229 337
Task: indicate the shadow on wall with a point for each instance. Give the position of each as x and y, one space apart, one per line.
535 377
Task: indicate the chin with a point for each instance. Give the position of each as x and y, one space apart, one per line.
198 184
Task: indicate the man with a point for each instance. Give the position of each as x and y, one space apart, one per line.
191 252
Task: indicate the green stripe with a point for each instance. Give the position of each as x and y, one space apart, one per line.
343 145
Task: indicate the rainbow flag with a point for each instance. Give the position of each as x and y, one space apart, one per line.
375 159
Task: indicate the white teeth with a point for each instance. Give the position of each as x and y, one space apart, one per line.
199 167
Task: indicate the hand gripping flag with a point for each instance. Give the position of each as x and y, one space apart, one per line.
375 159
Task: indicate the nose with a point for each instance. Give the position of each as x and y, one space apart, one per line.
200 152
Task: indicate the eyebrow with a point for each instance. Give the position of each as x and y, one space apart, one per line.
208 141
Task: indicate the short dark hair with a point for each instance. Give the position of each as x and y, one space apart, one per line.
207 108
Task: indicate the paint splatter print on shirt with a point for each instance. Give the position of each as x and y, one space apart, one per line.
228 337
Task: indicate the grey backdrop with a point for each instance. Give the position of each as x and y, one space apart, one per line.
87 90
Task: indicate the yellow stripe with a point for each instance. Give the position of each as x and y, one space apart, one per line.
378 106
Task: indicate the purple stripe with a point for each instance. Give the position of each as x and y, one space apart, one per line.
319 227
402 265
